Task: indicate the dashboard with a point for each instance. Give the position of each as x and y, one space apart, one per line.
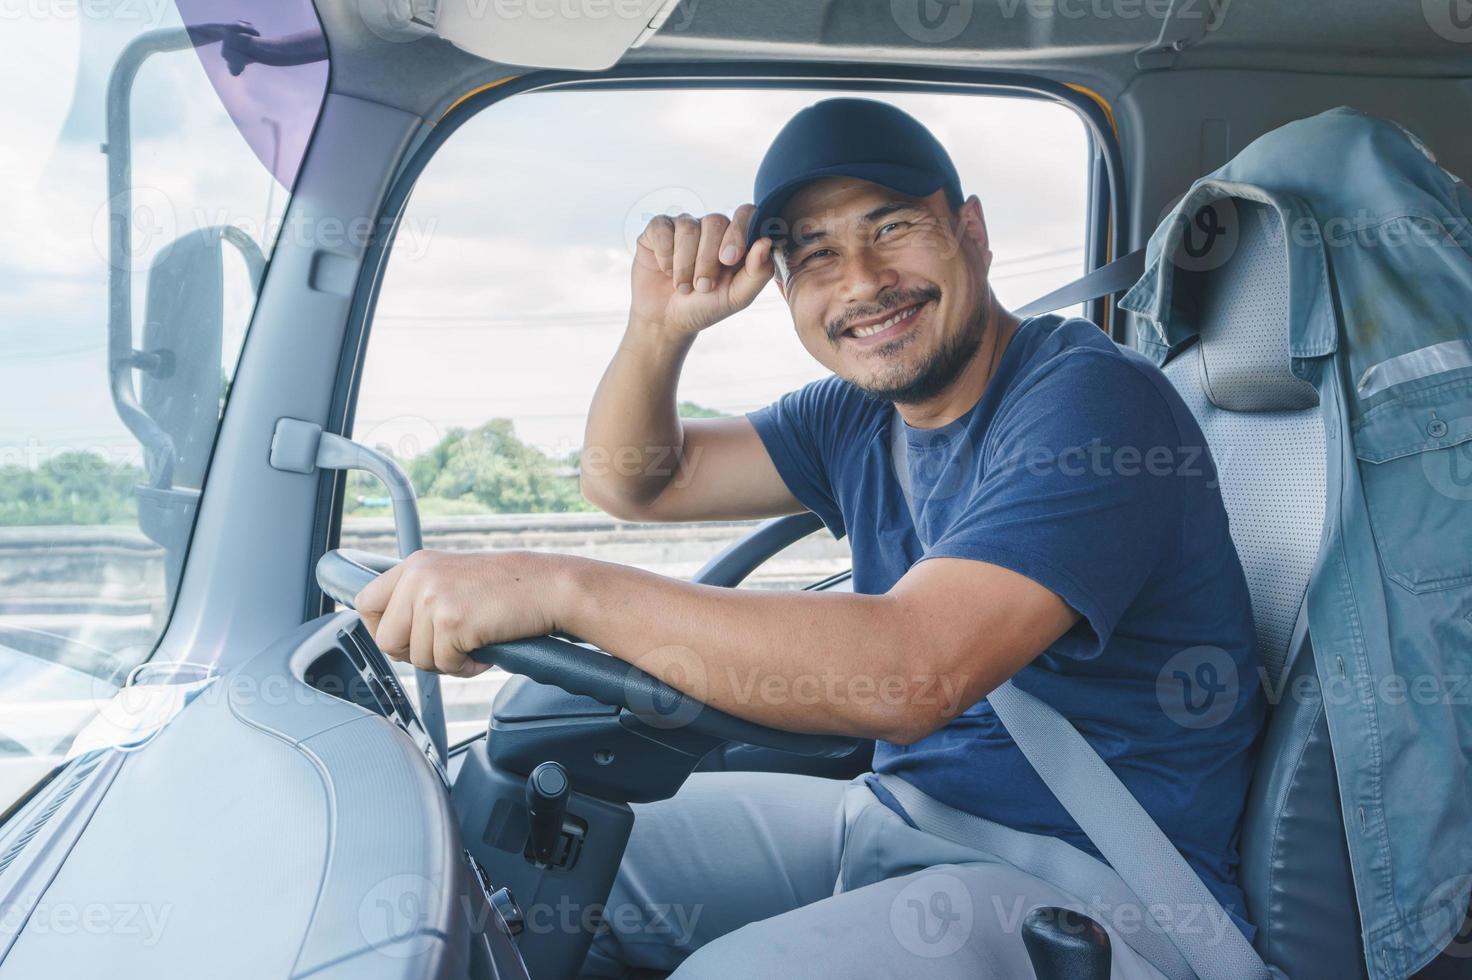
355 670
292 821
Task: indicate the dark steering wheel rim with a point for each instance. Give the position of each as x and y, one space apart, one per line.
343 573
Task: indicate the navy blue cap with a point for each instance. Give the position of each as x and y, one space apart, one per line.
859 138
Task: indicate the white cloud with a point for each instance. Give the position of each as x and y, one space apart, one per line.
509 286
517 301
45 48
191 169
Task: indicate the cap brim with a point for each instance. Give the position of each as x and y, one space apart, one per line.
907 180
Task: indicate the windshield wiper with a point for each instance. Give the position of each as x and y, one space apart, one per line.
19 803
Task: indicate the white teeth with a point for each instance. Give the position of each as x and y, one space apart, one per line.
876 328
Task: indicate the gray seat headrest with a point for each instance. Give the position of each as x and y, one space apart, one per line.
1236 294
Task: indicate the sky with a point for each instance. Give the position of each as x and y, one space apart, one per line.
507 290
190 169
509 287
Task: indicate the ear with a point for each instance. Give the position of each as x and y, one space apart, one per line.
973 225
971 229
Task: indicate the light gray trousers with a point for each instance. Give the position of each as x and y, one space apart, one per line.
777 875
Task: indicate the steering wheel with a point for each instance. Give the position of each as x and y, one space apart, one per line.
583 670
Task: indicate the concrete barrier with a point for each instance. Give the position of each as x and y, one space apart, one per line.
104 585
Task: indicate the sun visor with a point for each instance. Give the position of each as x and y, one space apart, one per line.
576 35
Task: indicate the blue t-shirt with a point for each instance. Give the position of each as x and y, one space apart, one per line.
1082 469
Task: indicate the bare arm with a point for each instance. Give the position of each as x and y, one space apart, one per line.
640 460
897 666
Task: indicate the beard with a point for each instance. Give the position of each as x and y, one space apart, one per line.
910 385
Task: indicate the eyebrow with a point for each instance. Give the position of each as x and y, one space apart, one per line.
883 211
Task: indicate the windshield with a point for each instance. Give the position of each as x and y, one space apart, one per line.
149 153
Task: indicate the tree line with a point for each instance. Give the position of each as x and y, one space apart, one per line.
487 469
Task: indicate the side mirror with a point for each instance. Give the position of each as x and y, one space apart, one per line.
182 385
179 376
175 407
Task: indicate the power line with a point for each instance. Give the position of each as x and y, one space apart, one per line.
1035 272
616 316
1018 259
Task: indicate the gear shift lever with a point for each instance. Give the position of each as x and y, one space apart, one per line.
547 789
1066 945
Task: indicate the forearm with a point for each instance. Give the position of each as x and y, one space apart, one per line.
633 437
800 661
896 666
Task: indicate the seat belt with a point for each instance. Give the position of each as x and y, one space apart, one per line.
1130 840
1115 277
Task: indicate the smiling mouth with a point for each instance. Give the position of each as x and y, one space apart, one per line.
895 323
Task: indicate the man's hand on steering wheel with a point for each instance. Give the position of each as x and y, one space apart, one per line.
435 607
448 603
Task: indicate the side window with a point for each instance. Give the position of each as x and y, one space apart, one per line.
128 278
508 289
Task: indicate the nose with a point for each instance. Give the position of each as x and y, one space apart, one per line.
865 276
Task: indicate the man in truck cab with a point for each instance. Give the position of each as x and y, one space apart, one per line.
1051 517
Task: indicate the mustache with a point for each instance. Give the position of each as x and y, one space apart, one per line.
896 299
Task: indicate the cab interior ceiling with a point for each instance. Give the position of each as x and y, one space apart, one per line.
1246 67
1094 43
